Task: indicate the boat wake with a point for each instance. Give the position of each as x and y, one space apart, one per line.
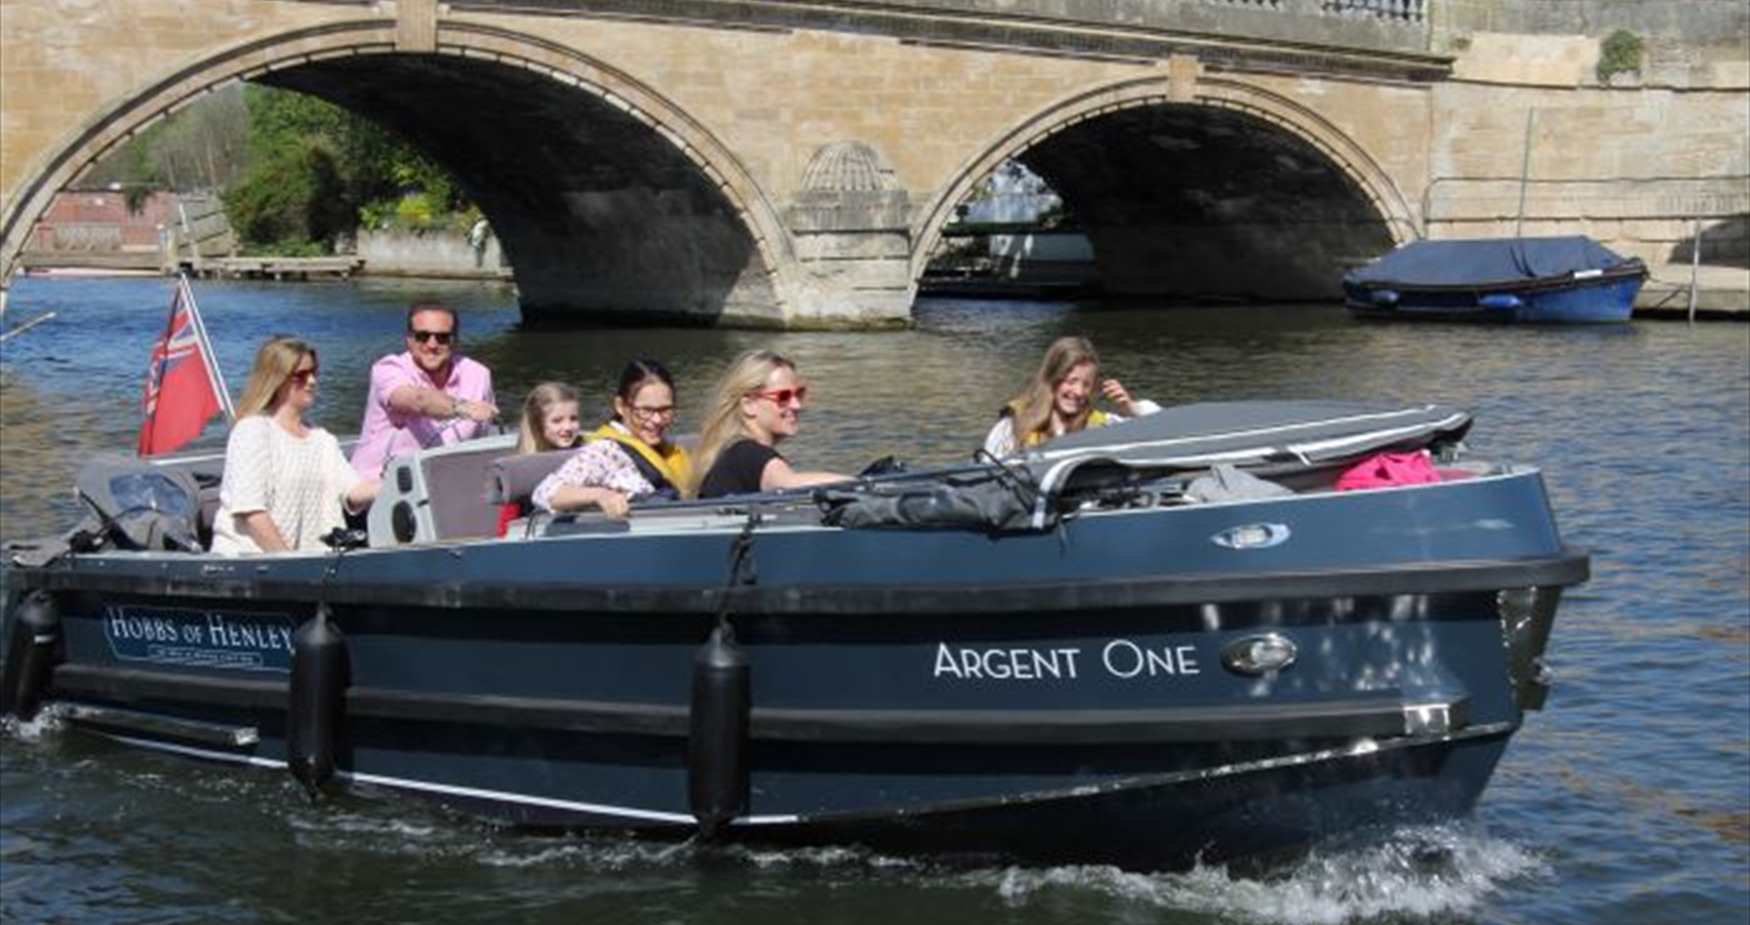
46 722
1411 874
1415 873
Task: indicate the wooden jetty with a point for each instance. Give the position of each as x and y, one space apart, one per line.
303 268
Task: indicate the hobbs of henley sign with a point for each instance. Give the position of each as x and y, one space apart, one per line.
203 638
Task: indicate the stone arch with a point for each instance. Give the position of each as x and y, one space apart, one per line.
256 58
1222 93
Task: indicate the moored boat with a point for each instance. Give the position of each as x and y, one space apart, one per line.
1530 280
1166 639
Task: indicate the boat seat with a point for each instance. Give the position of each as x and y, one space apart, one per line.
514 477
437 494
458 503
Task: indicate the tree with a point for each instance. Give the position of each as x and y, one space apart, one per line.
297 173
316 171
198 147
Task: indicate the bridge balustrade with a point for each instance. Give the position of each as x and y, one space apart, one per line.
1414 11
1389 25
1405 10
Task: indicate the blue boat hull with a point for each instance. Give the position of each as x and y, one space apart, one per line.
1121 771
1606 298
1062 696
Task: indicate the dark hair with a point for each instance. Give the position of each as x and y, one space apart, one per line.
417 307
636 374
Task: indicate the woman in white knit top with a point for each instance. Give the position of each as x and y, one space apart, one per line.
285 482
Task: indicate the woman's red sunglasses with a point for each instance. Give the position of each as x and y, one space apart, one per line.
782 397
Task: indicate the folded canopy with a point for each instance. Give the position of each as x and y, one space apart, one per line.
1248 433
1484 261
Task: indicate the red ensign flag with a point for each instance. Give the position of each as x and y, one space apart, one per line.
180 397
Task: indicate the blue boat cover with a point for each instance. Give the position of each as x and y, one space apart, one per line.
1483 261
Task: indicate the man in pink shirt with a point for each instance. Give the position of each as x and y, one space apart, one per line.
427 396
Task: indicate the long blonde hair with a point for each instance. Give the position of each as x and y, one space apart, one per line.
1031 409
532 434
274 363
724 423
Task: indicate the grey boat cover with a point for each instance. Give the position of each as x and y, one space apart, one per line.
1484 262
136 504
1020 495
1245 433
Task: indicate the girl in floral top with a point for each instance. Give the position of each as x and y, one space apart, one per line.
628 457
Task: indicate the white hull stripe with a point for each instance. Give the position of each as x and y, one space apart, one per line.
477 793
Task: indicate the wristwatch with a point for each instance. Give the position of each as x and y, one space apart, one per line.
456 406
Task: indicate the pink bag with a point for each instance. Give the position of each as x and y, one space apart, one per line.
1384 470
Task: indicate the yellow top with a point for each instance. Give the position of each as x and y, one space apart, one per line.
1096 418
669 459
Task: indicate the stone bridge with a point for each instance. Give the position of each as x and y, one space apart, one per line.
793 162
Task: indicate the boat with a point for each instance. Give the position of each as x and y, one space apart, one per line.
1556 280
1150 644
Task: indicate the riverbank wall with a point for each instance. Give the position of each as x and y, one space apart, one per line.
431 254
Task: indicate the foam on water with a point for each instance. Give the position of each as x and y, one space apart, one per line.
1412 874
596 853
830 856
47 721
1416 873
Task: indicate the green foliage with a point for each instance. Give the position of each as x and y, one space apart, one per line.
318 171
289 247
1621 52
297 173
290 195
135 196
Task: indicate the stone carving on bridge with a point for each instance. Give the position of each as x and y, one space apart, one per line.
847 186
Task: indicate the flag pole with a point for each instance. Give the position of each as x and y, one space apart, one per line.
214 375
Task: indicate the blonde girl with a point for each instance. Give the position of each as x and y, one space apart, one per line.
757 404
1059 399
286 483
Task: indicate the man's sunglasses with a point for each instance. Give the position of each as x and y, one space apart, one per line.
442 337
782 397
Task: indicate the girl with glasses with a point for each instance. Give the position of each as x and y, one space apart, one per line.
1059 399
286 483
758 404
628 457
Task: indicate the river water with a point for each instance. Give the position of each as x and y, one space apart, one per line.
1626 800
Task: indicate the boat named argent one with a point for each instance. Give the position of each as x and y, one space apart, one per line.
1158 641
